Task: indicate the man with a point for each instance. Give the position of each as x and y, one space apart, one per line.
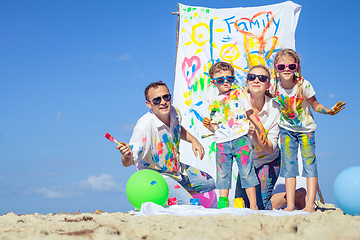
155 143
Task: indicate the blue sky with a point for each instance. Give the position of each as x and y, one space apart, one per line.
72 70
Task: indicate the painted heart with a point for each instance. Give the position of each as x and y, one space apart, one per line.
189 68
261 37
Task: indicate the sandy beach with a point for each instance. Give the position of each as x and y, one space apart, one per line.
327 222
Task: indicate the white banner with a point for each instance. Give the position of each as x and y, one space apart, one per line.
240 36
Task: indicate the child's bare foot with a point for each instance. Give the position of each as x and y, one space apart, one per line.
309 209
289 209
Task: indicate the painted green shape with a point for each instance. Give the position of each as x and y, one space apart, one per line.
194 9
207 10
202 83
192 121
195 86
189 9
212 148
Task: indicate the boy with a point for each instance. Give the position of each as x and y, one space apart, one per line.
228 121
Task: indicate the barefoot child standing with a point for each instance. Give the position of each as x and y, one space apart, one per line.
297 125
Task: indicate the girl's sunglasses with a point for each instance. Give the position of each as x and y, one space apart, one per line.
221 80
157 100
252 77
281 67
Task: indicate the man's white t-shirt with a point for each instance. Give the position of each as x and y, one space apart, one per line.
155 145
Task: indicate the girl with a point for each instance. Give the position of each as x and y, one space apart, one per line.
297 126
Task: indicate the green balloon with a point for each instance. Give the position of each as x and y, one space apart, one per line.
147 186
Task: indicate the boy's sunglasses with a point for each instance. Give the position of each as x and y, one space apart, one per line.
221 80
157 100
281 67
252 77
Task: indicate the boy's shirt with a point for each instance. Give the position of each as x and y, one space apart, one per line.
228 110
269 117
295 114
155 145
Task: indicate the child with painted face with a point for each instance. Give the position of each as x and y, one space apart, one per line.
297 125
229 114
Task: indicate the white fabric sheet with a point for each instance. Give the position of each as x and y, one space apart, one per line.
149 208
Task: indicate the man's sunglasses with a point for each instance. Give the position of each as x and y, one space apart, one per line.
157 100
281 67
252 77
221 80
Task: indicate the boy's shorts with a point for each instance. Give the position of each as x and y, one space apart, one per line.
238 150
289 153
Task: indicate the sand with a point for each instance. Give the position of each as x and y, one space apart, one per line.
327 222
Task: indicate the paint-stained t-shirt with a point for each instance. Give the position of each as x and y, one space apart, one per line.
228 111
269 117
295 114
155 145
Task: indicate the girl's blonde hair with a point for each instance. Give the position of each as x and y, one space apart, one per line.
268 74
298 79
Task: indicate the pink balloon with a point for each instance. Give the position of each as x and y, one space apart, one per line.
206 199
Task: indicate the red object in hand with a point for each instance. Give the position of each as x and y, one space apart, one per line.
111 138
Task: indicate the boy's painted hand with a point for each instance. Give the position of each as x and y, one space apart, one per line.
206 122
337 108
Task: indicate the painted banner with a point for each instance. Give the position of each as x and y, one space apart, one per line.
240 36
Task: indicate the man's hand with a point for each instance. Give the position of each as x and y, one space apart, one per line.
126 151
198 148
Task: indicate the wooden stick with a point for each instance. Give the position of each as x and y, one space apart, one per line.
177 35
320 195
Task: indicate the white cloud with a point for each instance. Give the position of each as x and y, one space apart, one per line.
59 118
57 192
104 182
331 95
124 57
